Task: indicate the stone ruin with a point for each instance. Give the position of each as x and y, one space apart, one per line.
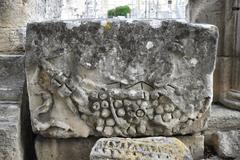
107 78
79 96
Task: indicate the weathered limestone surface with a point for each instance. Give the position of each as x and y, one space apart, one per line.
80 148
223 119
119 78
227 144
64 149
225 16
12 40
11 84
195 143
211 12
14 16
9 132
11 77
154 148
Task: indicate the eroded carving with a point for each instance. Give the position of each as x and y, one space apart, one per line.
100 85
154 148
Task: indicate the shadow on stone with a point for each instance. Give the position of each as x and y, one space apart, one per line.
26 134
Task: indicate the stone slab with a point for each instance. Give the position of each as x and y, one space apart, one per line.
227 144
153 148
63 149
223 119
119 77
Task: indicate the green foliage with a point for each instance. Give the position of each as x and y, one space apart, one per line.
119 11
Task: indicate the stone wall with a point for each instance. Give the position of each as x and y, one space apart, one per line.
15 132
11 86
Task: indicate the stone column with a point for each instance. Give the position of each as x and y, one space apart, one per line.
211 12
14 16
230 93
225 15
15 134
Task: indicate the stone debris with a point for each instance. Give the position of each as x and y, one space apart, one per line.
153 148
227 144
195 143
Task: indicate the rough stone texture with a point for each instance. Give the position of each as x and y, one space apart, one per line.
14 16
227 144
11 77
154 148
12 40
225 17
11 84
222 76
230 94
55 149
64 149
119 78
9 146
211 12
223 119
213 158
195 143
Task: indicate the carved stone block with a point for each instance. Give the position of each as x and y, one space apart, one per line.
154 148
119 78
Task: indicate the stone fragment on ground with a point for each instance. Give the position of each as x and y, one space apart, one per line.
152 148
227 144
119 77
195 143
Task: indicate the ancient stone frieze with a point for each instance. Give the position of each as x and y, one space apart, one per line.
119 78
154 148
